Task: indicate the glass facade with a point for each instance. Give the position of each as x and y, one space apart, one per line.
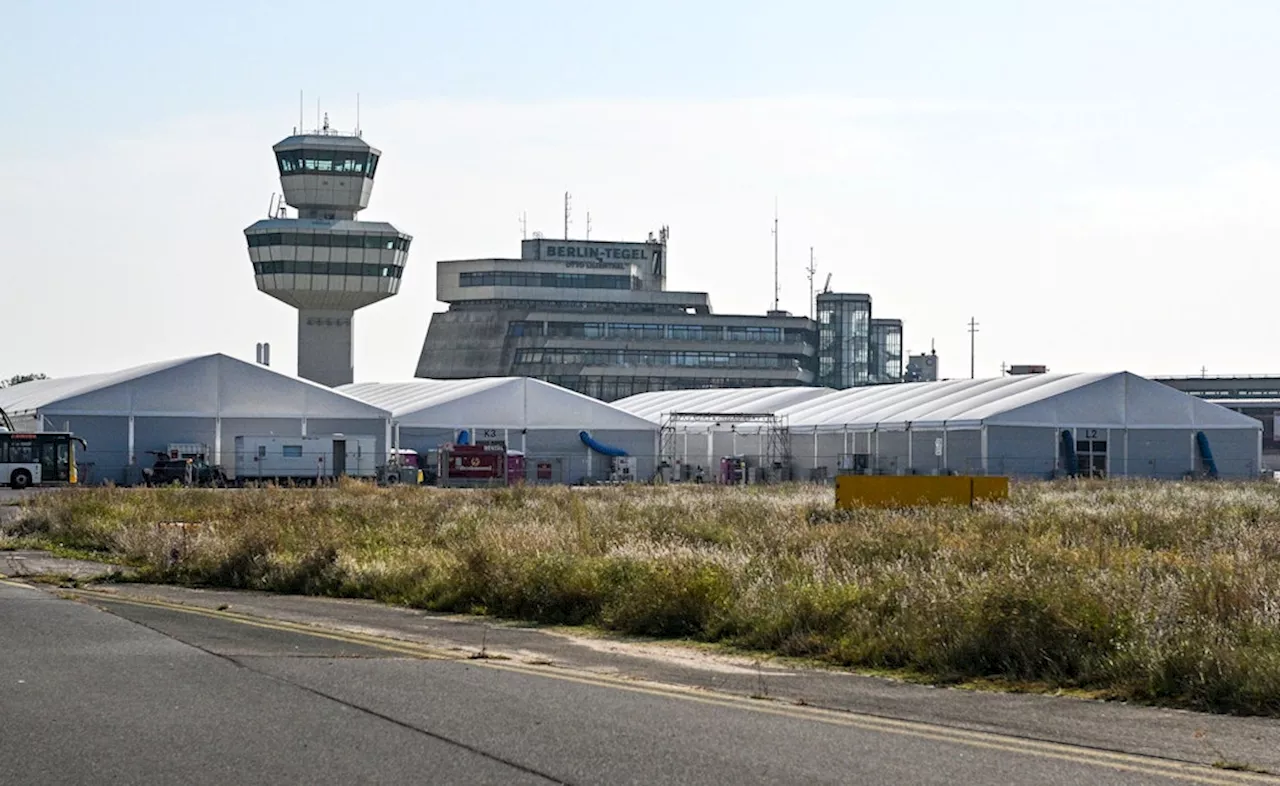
330 162
643 331
551 280
844 340
326 269
329 240
514 304
610 388
634 358
886 351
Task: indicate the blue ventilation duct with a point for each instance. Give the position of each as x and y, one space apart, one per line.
598 447
1206 454
1069 453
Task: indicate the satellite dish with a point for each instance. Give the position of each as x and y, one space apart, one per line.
537 235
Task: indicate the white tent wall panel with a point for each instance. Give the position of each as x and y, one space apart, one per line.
1161 453
425 440
1236 452
963 451
108 440
1022 451
156 433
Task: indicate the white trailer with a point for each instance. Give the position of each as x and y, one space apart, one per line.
305 458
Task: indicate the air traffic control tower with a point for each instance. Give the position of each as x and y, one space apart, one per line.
324 262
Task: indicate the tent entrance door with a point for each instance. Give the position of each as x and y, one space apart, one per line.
339 457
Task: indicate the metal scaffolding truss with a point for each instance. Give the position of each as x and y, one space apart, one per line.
776 443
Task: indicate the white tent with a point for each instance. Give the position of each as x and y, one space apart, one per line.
1115 400
656 405
209 399
1039 425
545 421
496 402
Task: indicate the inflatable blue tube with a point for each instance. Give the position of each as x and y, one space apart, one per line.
1069 453
599 448
1206 454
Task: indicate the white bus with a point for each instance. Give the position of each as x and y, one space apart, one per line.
38 459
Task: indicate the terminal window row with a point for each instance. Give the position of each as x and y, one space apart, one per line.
334 162
326 269
569 305
628 357
650 332
329 240
608 388
556 280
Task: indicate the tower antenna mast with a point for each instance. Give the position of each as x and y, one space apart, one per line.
775 253
588 225
973 332
524 226
811 270
300 120
357 114
568 203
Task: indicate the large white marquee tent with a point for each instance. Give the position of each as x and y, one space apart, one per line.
1035 425
544 421
207 400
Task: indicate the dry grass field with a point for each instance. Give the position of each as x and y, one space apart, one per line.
1162 592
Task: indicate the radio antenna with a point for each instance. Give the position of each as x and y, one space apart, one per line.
811 270
588 225
524 226
568 204
775 253
357 114
300 121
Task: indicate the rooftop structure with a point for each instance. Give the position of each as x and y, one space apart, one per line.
324 262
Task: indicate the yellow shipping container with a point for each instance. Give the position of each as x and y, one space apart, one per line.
901 491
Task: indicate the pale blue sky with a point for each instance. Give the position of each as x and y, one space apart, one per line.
1095 181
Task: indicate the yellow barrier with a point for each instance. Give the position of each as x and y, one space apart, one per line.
890 491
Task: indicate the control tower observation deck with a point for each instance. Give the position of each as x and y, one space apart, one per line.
324 262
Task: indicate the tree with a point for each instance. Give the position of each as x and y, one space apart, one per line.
18 379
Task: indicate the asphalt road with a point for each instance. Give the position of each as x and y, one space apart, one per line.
109 691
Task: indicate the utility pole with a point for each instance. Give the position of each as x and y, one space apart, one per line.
568 206
812 269
973 333
775 253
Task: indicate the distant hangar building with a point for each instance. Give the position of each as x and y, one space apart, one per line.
1041 426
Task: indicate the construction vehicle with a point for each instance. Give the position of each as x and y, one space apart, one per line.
193 470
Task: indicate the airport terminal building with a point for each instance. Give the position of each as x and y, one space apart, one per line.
596 317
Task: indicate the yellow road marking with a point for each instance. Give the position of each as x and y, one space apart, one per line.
1187 771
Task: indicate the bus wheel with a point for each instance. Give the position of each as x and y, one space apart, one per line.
20 479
